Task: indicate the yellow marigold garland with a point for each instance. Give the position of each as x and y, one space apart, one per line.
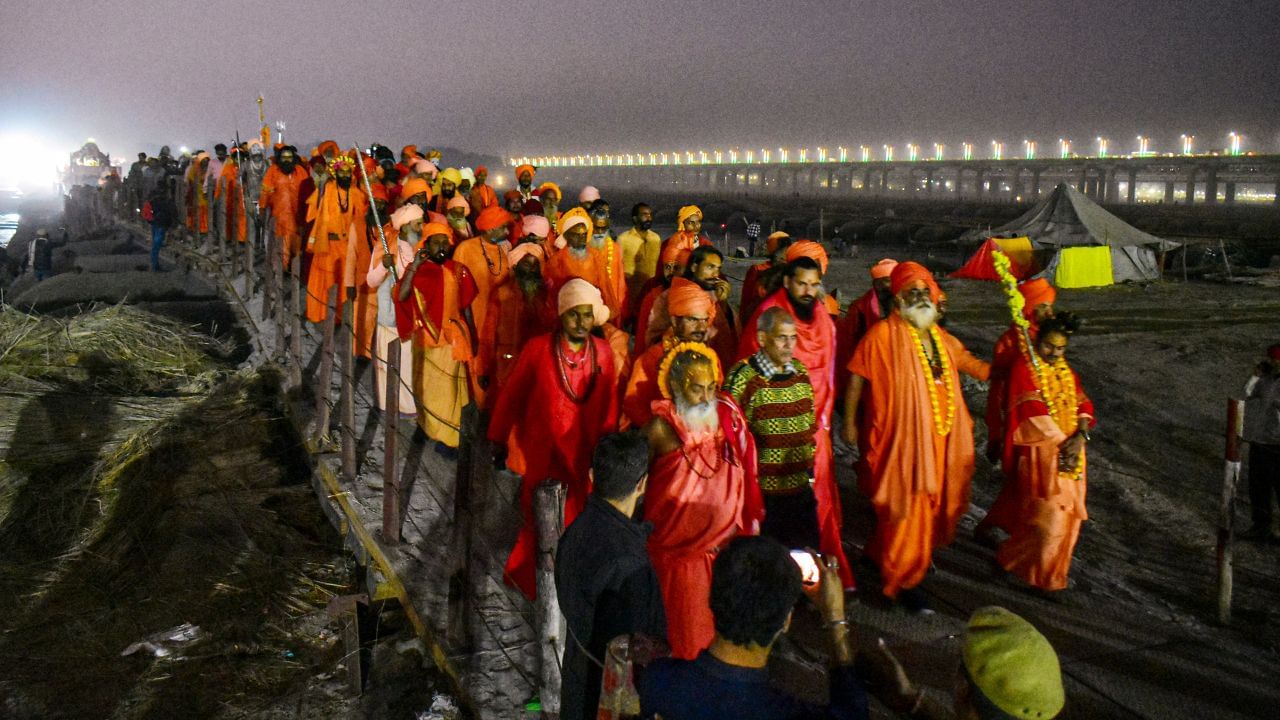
940 426
664 368
1055 382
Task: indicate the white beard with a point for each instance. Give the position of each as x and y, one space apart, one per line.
701 419
577 253
922 316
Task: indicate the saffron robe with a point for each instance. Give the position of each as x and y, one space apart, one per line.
230 191
551 437
281 195
562 266
482 196
332 214
512 320
197 200
433 316
816 349
917 480
363 249
722 332
1047 506
491 269
614 279
700 496
753 293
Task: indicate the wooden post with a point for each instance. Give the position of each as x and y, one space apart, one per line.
1222 246
1226 516
390 429
347 404
298 308
269 291
324 377
548 514
618 696
346 610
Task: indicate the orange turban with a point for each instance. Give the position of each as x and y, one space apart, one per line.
809 249
883 269
542 189
491 218
685 213
771 242
908 273
686 298
522 168
482 169
410 150
434 228
673 254
414 186
1036 292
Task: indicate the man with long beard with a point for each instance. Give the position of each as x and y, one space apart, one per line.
449 180
691 309
519 310
488 263
905 411
1049 418
702 490
332 212
433 306
615 279
576 259
280 196
704 270
800 295
560 399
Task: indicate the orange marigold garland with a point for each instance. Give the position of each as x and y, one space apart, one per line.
940 425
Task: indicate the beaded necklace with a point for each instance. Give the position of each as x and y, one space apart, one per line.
563 375
501 259
940 426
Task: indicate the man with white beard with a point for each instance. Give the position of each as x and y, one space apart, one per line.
702 492
904 410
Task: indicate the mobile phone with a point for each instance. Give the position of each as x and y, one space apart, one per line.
809 571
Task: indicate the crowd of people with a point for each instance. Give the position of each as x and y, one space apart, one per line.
716 419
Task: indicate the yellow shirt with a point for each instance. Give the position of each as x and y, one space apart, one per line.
640 254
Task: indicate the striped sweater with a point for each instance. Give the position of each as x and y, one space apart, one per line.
779 411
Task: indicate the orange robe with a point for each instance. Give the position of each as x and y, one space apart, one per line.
511 321
280 195
491 269
228 186
917 480
197 200
685 241
650 296
363 246
816 349
433 315
550 435
562 267
482 196
614 288
700 496
1047 506
332 213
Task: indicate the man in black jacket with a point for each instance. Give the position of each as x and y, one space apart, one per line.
162 214
605 582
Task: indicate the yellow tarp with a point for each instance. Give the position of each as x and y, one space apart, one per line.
1018 249
1081 267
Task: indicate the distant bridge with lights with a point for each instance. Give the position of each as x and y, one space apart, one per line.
1169 179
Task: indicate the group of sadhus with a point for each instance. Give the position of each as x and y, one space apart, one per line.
560 331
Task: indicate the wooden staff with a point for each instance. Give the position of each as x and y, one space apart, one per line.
1226 516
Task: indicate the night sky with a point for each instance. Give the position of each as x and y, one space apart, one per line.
592 75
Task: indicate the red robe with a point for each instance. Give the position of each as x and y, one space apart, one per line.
1047 507
917 480
489 266
642 387
752 292
549 436
816 349
562 267
700 496
281 195
863 313
512 320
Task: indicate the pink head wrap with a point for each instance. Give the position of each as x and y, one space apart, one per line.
405 215
425 167
883 269
458 201
588 194
580 292
535 225
524 249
